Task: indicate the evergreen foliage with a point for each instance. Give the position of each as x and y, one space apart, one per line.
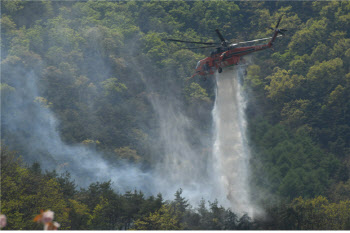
298 111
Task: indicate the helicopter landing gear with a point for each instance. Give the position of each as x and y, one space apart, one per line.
219 69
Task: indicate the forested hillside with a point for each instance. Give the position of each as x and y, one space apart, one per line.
103 68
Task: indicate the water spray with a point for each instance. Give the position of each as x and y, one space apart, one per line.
231 154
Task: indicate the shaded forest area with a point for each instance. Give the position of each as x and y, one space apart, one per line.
298 111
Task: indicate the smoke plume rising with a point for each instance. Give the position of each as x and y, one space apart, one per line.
33 128
178 160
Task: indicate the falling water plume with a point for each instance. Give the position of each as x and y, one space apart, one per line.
230 153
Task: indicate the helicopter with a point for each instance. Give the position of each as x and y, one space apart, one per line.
228 54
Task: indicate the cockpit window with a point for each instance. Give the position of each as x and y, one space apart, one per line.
198 64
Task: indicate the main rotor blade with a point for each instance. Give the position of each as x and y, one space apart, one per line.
220 36
202 47
192 42
250 41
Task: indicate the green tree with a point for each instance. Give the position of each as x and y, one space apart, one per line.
162 219
24 194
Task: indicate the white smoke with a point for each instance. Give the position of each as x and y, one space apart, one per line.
35 128
222 175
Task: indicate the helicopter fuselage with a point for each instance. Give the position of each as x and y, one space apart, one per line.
225 57
228 54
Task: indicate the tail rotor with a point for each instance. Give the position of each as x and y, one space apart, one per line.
280 31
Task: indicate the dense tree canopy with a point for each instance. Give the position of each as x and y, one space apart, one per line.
298 111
